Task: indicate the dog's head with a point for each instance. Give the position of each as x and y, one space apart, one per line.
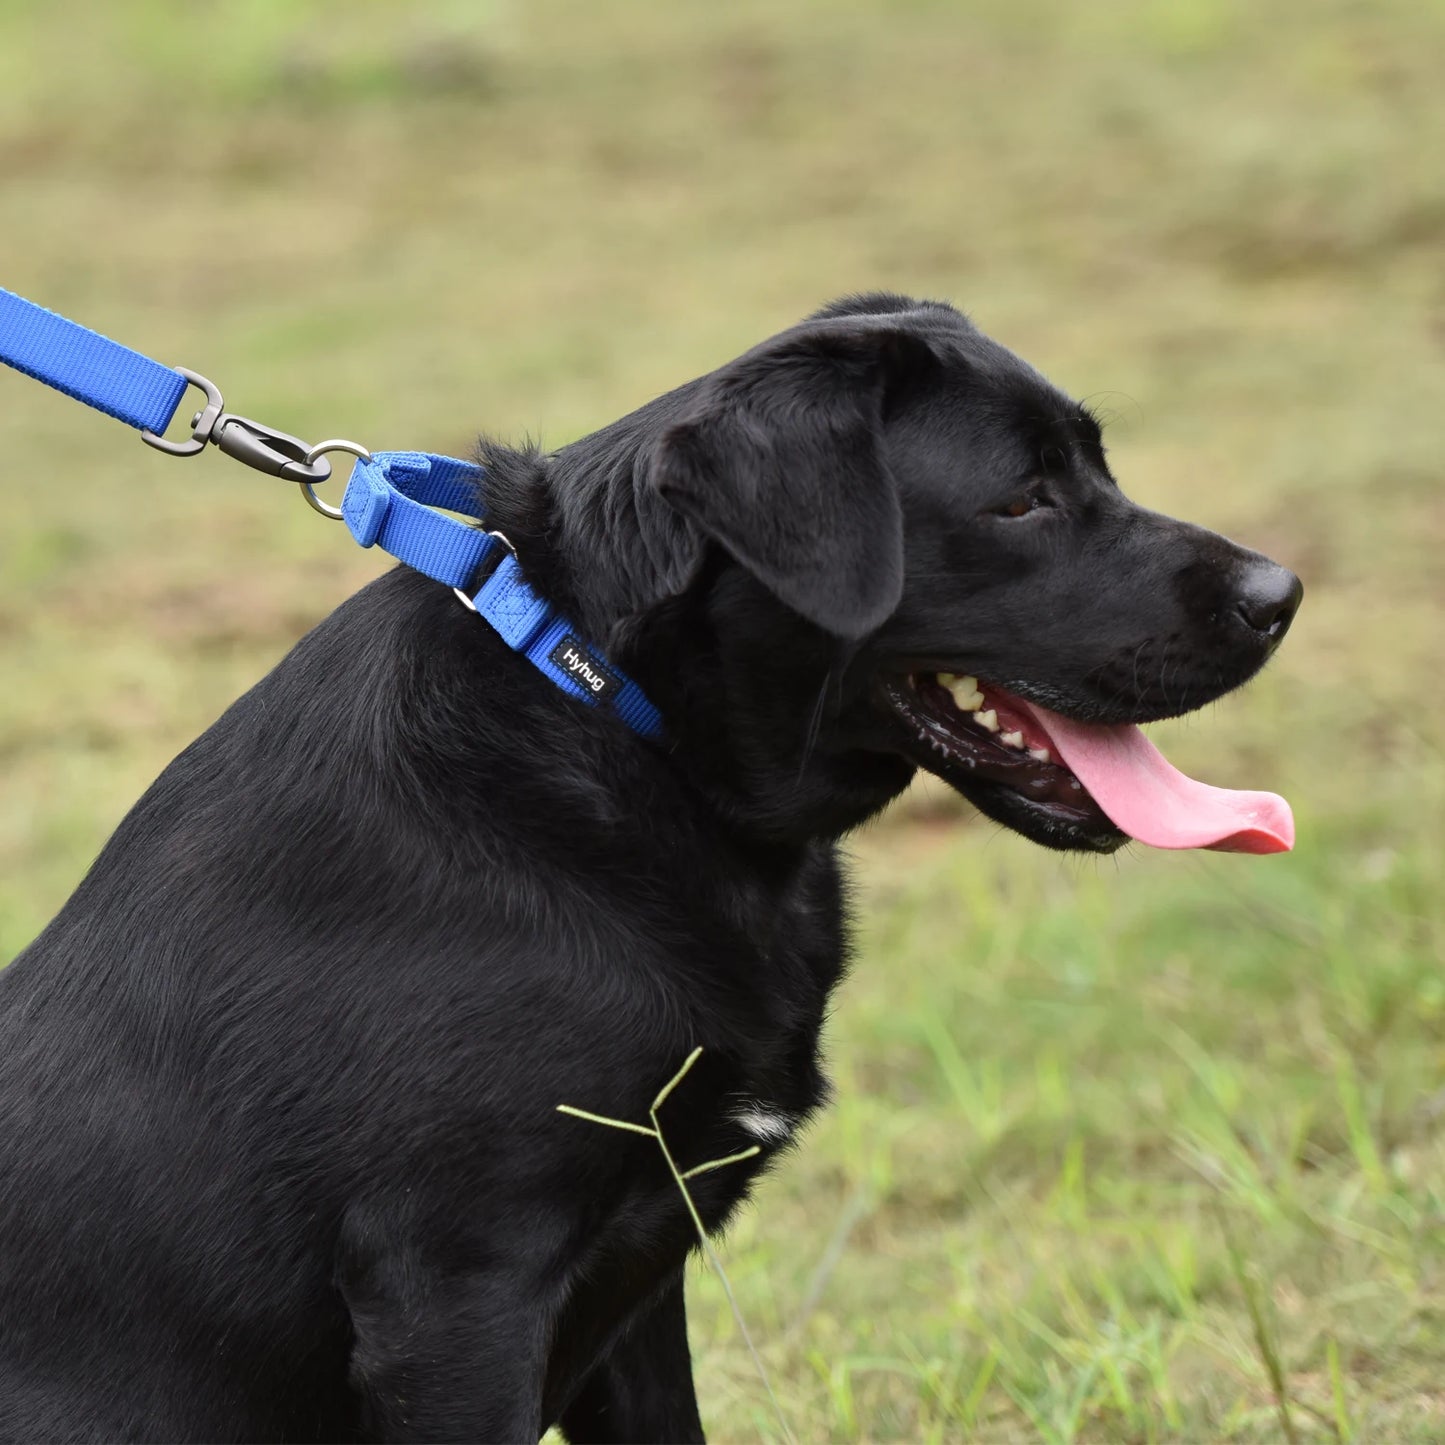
881 540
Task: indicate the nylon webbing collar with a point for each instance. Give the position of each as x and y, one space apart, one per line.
389 501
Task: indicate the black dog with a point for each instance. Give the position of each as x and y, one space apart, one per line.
279 1149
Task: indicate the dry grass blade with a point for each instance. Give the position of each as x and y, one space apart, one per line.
680 1179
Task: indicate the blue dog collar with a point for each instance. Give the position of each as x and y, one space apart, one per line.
389 501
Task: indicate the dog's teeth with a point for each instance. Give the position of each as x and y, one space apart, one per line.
1041 755
1011 740
947 679
987 719
965 693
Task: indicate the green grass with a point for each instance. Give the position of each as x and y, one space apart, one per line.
1069 1094
1147 1149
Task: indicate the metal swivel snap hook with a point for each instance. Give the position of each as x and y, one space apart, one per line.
276 453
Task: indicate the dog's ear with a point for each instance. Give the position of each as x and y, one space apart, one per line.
782 465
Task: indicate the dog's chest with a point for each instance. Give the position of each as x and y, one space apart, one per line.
759 1076
763 1120
763 1000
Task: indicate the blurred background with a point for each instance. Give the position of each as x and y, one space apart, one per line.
1142 1149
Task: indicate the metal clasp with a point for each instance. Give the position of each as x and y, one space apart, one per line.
277 453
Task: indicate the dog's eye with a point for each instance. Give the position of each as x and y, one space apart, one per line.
1022 506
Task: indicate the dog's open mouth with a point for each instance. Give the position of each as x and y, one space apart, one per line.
1085 784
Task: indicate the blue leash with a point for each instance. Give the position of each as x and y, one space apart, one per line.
390 500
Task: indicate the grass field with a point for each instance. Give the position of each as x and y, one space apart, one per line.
1147 1149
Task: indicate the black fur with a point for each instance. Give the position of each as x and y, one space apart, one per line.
279 1149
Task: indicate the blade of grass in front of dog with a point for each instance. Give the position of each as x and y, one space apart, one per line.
674 1081
722 1275
599 1119
680 1179
717 1265
720 1163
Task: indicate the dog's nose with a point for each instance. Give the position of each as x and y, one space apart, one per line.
1269 596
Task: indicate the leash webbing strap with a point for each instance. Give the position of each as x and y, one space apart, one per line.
87 366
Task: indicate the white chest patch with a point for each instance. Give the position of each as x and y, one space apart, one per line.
762 1122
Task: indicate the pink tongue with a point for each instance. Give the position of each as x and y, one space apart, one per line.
1146 797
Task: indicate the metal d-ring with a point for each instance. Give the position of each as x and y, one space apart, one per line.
308 489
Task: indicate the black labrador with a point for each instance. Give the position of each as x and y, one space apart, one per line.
280 1156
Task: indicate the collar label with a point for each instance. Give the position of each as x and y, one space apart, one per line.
585 670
